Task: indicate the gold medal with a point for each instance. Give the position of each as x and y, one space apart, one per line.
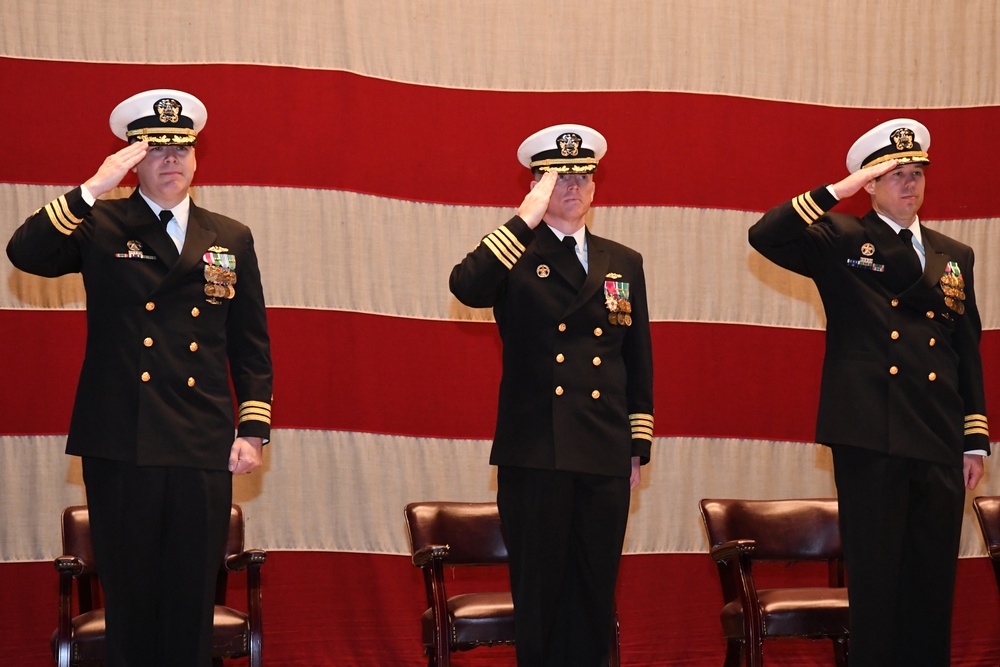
621 317
628 320
613 318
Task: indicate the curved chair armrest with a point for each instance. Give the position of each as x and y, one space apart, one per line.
432 552
70 565
727 551
245 559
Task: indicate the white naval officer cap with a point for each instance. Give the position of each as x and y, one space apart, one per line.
160 117
565 149
902 139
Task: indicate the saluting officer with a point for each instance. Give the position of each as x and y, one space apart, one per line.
901 401
575 418
175 310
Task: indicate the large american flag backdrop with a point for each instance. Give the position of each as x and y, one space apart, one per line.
370 144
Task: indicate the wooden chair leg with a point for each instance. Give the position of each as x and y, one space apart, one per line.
734 652
616 644
841 646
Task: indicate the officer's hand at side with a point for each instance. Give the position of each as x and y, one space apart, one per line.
973 470
245 455
857 180
536 202
636 476
114 168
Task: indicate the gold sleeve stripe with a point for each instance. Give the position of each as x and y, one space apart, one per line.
61 217
642 426
976 425
505 246
806 208
514 243
811 203
504 239
255 418
255 411
499 252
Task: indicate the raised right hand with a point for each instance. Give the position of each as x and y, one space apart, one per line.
536 202
114 168
857 180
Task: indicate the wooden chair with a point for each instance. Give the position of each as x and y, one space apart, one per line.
450 534
79 640
743 531
988 511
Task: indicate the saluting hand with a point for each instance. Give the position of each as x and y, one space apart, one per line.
857 180
536 202
114 168
246 455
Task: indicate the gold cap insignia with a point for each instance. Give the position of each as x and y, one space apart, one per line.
569 144
902 139
168 110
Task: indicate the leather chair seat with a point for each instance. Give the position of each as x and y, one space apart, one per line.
478 619
229 639
230 636
794 612
88 637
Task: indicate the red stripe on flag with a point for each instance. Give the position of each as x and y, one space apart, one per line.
356 372
281 126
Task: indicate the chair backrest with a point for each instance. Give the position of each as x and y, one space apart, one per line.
76 542
470 530
988 511
76 536
806 529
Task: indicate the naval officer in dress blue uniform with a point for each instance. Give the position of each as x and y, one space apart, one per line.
175 312
901 400
575 417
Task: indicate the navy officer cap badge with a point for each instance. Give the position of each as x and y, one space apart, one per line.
902 139
565 149
161 117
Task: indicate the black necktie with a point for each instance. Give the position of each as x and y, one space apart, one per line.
166 215
579 276
911 263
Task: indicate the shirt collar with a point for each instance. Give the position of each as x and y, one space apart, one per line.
580 235
915 227
181 211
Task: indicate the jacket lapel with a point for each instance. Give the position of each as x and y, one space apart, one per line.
200 236
936 261
890 248
552 252
141 222
597 266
